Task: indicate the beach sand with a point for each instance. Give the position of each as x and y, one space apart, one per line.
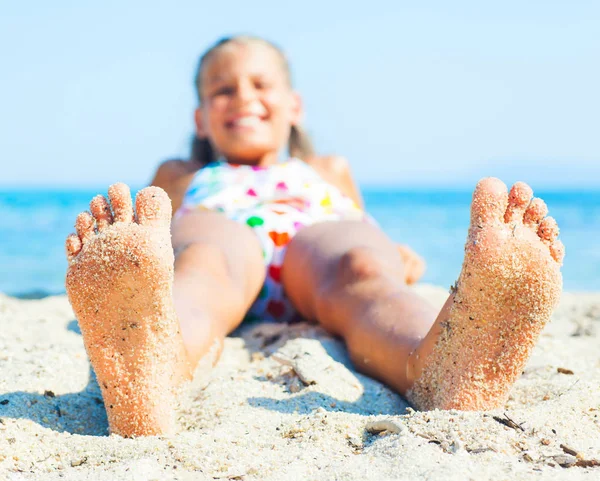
284 403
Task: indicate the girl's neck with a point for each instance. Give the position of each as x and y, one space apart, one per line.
270 158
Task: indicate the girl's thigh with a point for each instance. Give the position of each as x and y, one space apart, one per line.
224 241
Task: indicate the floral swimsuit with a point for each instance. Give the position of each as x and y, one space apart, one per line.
276 202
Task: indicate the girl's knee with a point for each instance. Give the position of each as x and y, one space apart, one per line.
359 264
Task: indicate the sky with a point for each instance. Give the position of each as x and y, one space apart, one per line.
413 93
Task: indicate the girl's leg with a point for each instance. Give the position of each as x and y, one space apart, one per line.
347 276
143 334
219 271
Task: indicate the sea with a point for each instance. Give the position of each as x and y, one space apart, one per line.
35 222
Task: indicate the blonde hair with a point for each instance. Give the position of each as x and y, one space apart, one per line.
299 143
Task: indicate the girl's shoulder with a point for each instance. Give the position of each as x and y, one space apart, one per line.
331 168
174 177
330 164
173 169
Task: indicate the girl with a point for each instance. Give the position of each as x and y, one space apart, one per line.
150 306
174 177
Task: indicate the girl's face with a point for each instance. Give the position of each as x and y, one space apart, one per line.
248 106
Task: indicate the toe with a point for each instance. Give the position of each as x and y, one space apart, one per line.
489 201
518 199
120 199
73 246
84 225
101 211
548 229
153 206
534 214
557 250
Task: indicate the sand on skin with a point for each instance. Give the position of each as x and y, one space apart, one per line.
256 419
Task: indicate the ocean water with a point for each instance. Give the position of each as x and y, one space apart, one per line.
34 224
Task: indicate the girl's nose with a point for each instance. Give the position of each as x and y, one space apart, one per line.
245 92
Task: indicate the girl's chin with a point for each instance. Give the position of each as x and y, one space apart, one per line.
250 156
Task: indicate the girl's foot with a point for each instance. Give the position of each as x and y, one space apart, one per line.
119 283
509 285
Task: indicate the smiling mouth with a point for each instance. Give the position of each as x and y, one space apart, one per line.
246 121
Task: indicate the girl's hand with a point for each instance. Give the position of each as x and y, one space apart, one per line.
414 265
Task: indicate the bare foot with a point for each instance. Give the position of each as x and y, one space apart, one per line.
119 283
509 285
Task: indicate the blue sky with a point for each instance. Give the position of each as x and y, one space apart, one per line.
413 93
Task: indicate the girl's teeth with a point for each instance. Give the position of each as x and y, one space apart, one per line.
247 121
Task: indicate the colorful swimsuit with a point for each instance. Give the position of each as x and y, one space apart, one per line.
276 202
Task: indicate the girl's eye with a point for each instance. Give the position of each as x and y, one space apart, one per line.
261 84
224 90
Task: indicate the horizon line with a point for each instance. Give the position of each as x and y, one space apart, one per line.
372 186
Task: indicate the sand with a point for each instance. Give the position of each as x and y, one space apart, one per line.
284 403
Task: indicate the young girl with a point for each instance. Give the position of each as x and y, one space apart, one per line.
152 298
175 176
